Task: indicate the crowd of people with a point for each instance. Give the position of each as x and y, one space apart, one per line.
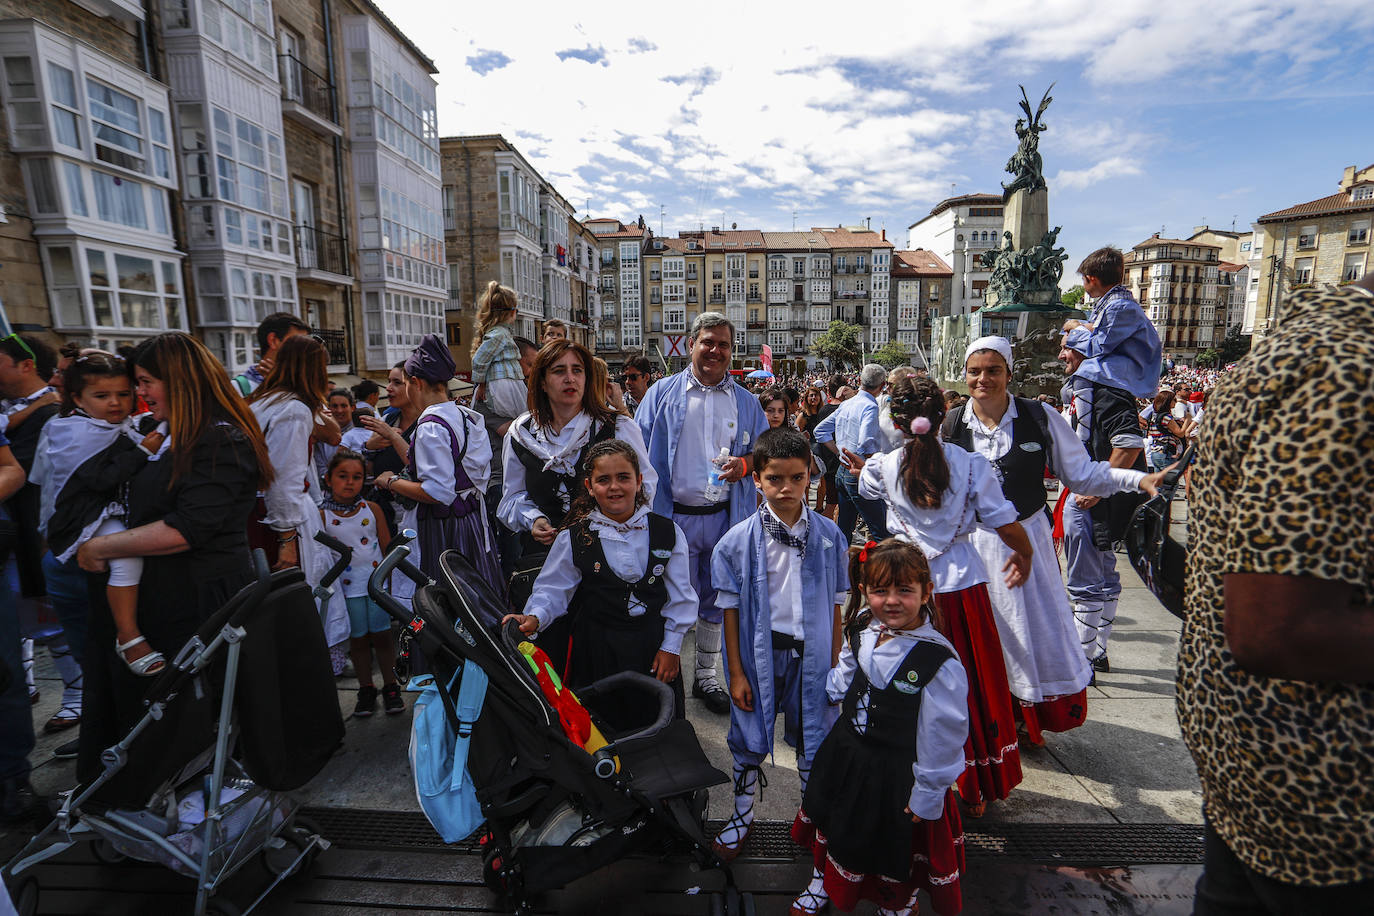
908 658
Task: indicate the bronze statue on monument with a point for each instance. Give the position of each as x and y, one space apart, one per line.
1025 164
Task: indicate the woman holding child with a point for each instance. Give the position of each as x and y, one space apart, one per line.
188 518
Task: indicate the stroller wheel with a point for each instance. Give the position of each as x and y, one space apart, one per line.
106 854
25 896
281 860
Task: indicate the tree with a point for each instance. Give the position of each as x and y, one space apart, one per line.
839 345
1234 346
1072 297
891 355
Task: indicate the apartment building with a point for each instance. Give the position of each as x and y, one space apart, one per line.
958 230
921 293
503 221
620 323
799 291
1176 283
87 240
673 271
203 168
1232 283
861 265
586 295
734 267
1323 242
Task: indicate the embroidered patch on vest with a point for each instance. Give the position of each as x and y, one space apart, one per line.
904 687
1030 446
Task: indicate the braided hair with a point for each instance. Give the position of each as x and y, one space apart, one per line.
918 408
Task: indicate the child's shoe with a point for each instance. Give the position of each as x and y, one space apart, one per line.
391 699
749 781
812 900
367 702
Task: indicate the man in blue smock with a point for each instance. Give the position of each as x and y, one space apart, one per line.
687 418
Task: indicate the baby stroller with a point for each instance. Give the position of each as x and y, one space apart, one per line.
261 661
553 811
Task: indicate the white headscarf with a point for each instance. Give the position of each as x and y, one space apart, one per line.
999 345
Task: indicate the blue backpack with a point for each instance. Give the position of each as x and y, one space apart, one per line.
439 737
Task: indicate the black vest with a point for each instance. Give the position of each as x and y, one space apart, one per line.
894 710
1022 469
605 597
544 486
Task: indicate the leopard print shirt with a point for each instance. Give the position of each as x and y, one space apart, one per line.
1284 484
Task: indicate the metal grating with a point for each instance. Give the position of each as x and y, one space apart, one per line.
1060 844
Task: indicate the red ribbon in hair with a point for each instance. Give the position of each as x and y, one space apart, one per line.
863 554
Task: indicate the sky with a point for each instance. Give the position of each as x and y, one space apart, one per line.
1166 115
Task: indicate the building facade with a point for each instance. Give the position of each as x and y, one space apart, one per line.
799 292
1320 242
921 293
88 241
958 230
619 324
503 221
1176 283
198 164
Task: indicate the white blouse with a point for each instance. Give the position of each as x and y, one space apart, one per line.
974 496
287 424
941 728
433 451
516 508
626 546
1071 461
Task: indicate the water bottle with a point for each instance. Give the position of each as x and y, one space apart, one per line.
716 488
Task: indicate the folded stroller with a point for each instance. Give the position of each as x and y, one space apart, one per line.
246 711
554 810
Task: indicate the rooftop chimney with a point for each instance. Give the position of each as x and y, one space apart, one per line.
884 235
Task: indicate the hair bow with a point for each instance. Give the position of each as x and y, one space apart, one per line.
863 554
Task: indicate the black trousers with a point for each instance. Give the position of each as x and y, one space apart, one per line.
1228 887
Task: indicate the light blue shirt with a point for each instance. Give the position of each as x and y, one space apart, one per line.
708 425
854 426
1122 348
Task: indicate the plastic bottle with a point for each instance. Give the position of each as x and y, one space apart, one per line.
716 488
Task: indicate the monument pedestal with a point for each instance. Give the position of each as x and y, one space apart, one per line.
1034 337
1027 217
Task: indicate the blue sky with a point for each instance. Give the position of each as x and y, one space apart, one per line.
1167 114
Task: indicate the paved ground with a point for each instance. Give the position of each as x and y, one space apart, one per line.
1127 765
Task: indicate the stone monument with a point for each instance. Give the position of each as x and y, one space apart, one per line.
1022 300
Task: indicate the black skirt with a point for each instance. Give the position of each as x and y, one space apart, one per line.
856 797
598 651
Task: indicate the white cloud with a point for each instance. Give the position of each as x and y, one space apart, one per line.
826 109
1077 179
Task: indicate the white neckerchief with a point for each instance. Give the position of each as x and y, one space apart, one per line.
557 459
637 522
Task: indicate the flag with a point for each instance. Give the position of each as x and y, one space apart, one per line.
766 357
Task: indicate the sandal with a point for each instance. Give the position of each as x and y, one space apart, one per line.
145 666
808 904
730 841
65 718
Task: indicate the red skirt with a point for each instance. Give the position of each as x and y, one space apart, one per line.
937 861
992 755
1055 714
